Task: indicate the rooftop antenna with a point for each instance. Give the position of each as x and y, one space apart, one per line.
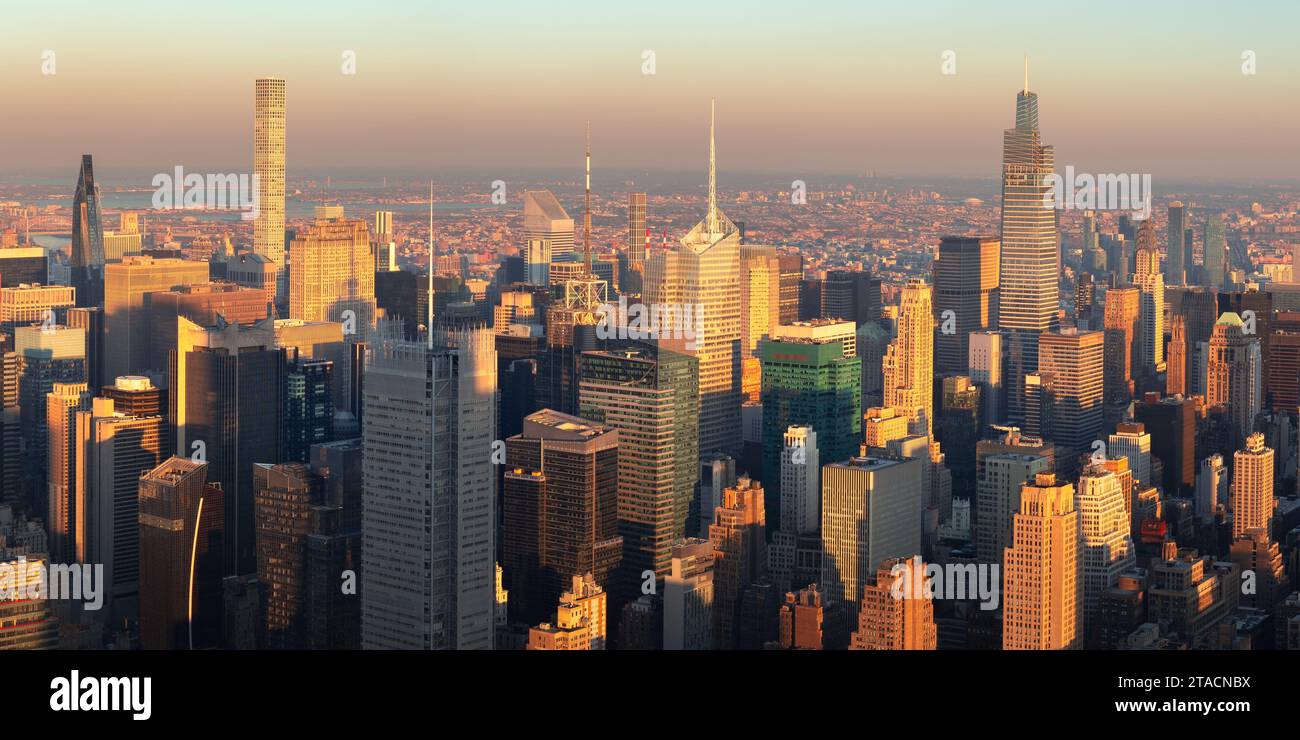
428 333
713 175
1026 74
586 226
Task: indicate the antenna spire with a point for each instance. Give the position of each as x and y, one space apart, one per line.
428 333
586 225
1026 74
713 173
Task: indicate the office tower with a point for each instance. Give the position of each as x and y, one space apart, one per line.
1211 488
1216 253
909 363
897 613
1122 314
636 232
1176 263
46 355
91 320
966 283
1255 552
812 377
11 462
34 304
268 168
1233 374
113 448
62 405
1176 369
1199 307
1171 422
873 342
985 366
1131 440
517 307
871 510
87 249
27 624
1106 548
1151 311
850 295
760 297
790 279
252 271
1040 575
717 471
999 482
810 298
738 535
308 415
704 272
332 275
126 316
801 620
548 234
1085 292
1256 303
559 509
580 620
23 265
1252 487
1192 594
959 431
308 521
800 503
649 395
688 596
1073 361
181 535
1030 268
428 550
201 303
225 399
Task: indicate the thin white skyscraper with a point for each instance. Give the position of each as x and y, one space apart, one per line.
268 168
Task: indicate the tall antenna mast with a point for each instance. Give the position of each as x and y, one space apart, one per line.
713 176
429 288
586 226
1026 74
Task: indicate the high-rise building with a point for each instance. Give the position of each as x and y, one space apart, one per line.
1122 313
27 623
1234 373
1072 359
1176 262
959 431
649 395
126 315
268 168
87 250
580 620
181 538
23 265
559 510
738 535
1000 481
871 511
201 303
985 367
113 449
308 415
45 355
332 274
1106 546
1133 441
1151 307
34 304
965 283
1176 365
636 231
897 612
1040 575
61 407
704 272
1252 487
850 295
1191 594
760 297
801 620
1215 253
1030 268
791 278
1211 488
1171 422
548 234
428 550
909 363
688 596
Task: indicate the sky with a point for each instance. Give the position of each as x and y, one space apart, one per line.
802 88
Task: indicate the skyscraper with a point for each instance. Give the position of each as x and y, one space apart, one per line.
1122 313
1252 487
548 234
1176 366
1216 253
332 273
580 620
1151 312
985 360
1040 576
428 550
636 231
268 168
64 401
1073 361
1029 274
965 283
909 362
1106 548
1001 478
126 315
688 596
1234 374
850 295
1176 263
897 613
87 250
738 534
801 619
704 272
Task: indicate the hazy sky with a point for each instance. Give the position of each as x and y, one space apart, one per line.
802 87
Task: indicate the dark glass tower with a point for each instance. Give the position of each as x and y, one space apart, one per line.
87 239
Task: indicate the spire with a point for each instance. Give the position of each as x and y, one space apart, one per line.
428 332
1026 74
713 174
586 222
